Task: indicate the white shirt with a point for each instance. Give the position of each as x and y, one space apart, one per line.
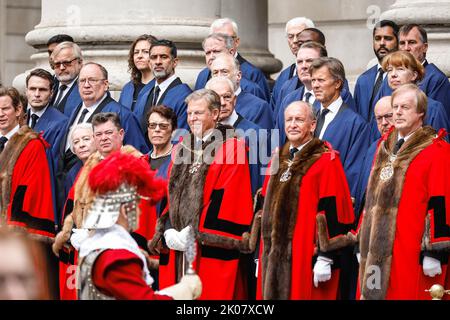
231 119
299 148
312 98
378 71
164 85
67 89
238 91
91 110
334 109
11 133
38 113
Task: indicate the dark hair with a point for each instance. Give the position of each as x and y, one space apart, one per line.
164 112
136 75
405 29
102 68
317 46
41 73
103 117
168 44
13 94
24 102
319 34
59 38
386 23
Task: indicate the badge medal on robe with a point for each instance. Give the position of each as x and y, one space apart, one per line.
287 174
388 170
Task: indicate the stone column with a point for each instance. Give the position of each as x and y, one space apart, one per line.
434 16
105 29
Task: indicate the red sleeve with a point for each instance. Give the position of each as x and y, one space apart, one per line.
118 273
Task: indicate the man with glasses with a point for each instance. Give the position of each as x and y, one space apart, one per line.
66 60
93 89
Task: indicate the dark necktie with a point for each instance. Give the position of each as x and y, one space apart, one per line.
61 90
398 145
156 95
307 96
320 122
83 115
3 141
376 88
34 119
292 153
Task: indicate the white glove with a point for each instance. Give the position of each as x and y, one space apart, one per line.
177 240
189 288
78 237
358 256
431 266
322 270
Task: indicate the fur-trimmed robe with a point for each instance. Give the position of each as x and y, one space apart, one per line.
217 202
312 211
393 220
25 185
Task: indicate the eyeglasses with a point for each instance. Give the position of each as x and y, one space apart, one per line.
57 65
90 81
387 116
161 125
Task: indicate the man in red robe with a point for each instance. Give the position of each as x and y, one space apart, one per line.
210 193
306 215
405 228
25 183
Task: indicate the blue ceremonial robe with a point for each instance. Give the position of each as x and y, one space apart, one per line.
254 74
246 85
254 109
251 133
71 176
173 98
284 76
295 84
363 178
127 94
363 92
348 133
436 85
297 95
70 101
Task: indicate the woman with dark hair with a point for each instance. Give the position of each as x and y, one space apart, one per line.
141 74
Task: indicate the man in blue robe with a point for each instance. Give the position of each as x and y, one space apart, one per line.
168 89
294 27
218 43
67 61
414 39
249 106
385 40
249 71
93 84
336 122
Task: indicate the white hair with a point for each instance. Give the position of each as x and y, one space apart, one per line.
211 82
222 22
79 126
298 21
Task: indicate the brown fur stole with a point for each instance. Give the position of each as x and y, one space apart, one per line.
8 160
377 232
280 215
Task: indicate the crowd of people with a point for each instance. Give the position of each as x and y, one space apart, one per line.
239 189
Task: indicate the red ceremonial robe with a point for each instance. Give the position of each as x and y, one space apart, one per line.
26 196
217 201
406 216
310 213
